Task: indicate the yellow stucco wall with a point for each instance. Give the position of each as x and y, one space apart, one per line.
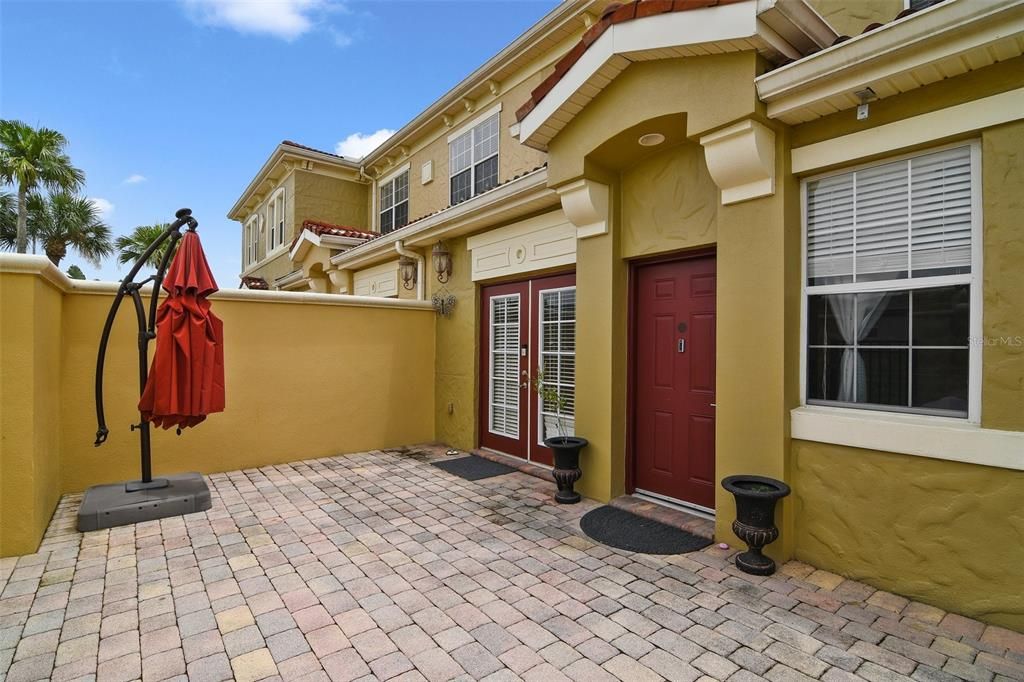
328 199
289 397
945 533
30 334
852 17
1002 389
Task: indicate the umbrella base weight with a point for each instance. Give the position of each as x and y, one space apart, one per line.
114 504
156 483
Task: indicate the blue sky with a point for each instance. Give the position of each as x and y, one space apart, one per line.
168 104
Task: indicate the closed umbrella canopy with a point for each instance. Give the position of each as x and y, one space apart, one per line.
186 378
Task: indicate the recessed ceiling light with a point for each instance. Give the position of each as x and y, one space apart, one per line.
651 139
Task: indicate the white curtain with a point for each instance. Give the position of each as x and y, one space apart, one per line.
855 315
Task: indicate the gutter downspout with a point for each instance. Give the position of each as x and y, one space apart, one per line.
420 283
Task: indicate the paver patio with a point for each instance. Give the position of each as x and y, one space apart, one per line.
380 566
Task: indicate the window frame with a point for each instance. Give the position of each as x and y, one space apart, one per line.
541 414
470 128
275 233
974 280
378 199
251 240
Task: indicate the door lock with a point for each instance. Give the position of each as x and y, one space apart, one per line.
682 346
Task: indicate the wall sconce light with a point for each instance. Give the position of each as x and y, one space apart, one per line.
407 268
442 259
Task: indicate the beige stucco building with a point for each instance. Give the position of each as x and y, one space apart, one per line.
788 236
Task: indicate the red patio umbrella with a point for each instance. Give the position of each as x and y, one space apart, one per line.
186 378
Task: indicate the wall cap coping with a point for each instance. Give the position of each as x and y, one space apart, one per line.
924 436
40 266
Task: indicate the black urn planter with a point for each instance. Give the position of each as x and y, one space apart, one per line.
567 466
755 519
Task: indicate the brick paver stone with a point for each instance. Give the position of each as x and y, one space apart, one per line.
378 566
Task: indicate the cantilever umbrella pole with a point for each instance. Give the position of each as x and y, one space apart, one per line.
146 334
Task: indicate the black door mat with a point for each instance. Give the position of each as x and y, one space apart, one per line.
473 468
617 528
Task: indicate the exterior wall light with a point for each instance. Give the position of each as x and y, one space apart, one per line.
407 268
442 259
651 140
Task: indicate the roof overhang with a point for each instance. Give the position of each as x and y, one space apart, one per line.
779 30
270 173
293 280
943 41
515 199
309 239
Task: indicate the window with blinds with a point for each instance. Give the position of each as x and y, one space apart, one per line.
473 160
394 203
557 336
889 250
504 374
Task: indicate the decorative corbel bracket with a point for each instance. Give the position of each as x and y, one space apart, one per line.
741 160
340 280
585 203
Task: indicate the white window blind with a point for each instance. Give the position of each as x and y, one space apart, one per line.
504 372
909 218
558 361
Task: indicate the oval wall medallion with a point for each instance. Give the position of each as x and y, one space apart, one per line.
520 254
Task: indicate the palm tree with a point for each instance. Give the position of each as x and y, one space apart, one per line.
75 272
30 158
64 220
8 220
132 246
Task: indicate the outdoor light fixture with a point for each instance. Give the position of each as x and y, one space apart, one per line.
407 268
651 139
442 258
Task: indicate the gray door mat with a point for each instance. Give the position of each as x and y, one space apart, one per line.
473 468
623 530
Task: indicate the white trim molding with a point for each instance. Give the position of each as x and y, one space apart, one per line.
940 42
960 119
741 160
474 122
545 241
923 436
585 203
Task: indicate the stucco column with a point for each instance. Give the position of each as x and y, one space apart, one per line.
601 358
758 342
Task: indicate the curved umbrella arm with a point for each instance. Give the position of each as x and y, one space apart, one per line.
130 287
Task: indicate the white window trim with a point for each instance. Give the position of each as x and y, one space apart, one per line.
938 437
468 127
404 168
252 241
274 250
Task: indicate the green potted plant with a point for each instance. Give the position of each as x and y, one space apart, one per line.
566 448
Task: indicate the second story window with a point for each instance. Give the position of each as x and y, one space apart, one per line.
252 239
275 221
473 160
394 202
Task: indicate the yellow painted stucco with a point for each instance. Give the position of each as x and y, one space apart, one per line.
30 411
945 533
290 396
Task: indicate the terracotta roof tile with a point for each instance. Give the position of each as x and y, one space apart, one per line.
319 227
255 283
615 13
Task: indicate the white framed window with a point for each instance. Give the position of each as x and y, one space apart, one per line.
275 220
473 158
393 200
892 285
503 418
252 239
557 336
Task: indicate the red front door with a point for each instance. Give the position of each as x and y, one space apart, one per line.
674 375
527 327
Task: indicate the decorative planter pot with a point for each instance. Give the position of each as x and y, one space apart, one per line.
755 519
567 466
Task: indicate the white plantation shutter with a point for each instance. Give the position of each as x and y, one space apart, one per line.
504 377
558 358
887 221
941 210
830 227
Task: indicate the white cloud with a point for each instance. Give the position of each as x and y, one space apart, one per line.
358 145
285 19
104 206
134 179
